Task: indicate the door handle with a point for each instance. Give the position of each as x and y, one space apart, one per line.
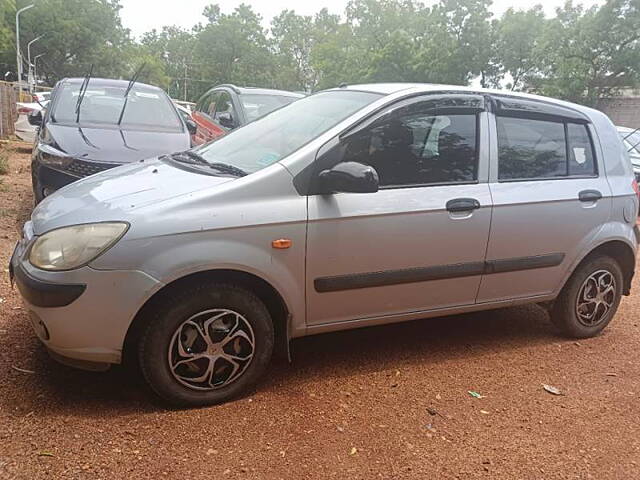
589 195
462 205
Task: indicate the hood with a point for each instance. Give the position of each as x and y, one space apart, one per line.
114 145
119 194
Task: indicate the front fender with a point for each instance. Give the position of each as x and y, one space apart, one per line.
247 249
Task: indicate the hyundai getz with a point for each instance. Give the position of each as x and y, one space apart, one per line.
356 206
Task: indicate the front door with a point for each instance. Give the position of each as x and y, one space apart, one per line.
418 243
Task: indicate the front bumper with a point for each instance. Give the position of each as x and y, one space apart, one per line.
81 315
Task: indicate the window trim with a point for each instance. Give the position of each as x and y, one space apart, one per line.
565 122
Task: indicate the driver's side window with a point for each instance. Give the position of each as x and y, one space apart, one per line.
409 147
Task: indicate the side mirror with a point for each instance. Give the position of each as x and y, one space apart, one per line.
35 118
349 177
226 120
192 127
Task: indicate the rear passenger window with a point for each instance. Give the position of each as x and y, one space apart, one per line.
530 149
419 149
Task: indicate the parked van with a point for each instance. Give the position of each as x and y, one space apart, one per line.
356 206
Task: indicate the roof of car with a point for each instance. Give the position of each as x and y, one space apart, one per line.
107 82
260 91
392 88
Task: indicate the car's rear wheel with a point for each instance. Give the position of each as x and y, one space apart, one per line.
206 345
590 298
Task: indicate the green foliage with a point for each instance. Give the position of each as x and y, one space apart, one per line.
579 54
591 53
519 36
77 33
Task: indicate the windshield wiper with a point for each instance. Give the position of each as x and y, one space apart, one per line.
83 90
226 168
132 82
189 156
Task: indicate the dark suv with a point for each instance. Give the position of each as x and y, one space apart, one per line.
226 107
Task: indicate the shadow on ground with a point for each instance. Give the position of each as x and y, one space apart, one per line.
59 391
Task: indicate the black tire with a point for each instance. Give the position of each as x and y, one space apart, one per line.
171 313
564 314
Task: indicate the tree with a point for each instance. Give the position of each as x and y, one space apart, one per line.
233 48
458 42
518 45
77 34
172 47
592 53
293 37
330 55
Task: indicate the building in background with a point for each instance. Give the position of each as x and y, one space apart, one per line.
623 110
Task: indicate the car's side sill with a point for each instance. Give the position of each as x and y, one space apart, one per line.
423 314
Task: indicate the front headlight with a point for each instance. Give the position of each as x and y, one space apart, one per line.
53 157
72 247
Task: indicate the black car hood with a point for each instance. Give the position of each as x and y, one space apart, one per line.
114 145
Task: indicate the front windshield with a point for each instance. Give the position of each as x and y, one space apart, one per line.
272 138
256 106
146 108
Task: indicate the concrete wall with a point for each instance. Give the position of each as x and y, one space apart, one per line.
623 110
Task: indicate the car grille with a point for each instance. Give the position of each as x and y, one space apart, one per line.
84 168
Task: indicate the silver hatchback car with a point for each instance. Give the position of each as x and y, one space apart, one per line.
356 206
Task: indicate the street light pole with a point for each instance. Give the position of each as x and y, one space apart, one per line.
18 55
29 75
35 66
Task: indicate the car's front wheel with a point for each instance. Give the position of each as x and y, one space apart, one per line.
206 344
590 298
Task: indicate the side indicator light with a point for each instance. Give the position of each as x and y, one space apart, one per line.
281 243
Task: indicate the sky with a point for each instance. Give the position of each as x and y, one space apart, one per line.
143 15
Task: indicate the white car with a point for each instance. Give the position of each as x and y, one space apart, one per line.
23 129
631 139
41 97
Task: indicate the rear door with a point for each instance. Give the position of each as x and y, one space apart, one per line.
419 242
549 193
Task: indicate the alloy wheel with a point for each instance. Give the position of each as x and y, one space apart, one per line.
596 298
211 349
